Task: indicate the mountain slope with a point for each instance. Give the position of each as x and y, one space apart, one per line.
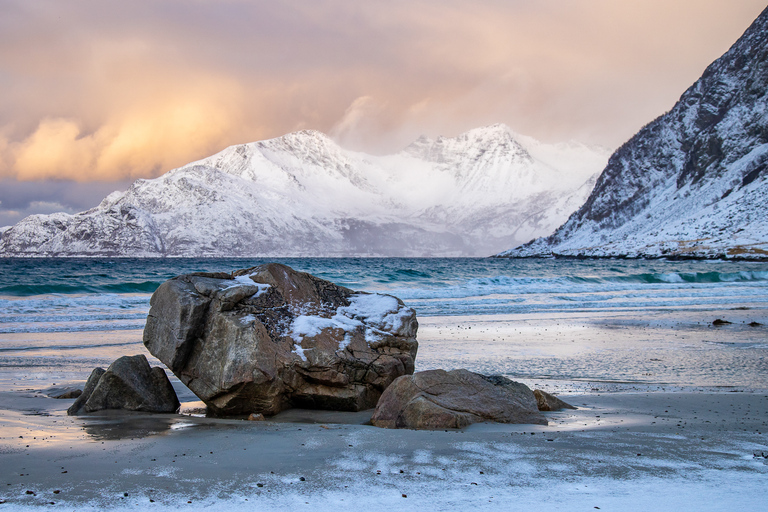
693 183
302 195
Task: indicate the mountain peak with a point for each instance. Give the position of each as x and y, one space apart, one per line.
693 182
303 195
494 141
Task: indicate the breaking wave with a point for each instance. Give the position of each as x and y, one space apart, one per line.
93 295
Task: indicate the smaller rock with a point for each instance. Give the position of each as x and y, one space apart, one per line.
755 324
90 385
129 383
437 399
547 402
720 321
64 393
256 417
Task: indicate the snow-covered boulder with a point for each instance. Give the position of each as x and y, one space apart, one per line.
268 338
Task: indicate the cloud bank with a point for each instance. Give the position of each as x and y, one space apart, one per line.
103 91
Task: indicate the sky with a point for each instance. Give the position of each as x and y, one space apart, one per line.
97 94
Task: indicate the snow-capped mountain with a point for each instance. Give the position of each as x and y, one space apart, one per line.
302 195
693 183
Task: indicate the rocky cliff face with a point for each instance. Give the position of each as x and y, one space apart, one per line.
302 195
692 183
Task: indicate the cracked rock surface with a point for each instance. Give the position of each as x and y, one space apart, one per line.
437 399
268 338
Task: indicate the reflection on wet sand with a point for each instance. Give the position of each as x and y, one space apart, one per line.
117 425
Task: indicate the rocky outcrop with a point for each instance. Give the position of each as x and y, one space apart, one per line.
437 399
547 402
129 383
269 338
693 182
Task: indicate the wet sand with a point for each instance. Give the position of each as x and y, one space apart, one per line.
662 434
618 451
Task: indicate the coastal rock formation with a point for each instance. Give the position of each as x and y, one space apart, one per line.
692 183
129 383
303 195
547 402
268 338
438 399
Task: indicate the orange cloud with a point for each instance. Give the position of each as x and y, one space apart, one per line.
108 91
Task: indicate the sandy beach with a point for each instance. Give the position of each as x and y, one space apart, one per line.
618 451
631 445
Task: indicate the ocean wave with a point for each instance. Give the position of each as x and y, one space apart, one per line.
503 284
70 295
27 290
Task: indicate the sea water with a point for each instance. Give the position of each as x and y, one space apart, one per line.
634 321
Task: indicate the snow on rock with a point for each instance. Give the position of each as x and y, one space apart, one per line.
279 338
302 195
377 314
692 183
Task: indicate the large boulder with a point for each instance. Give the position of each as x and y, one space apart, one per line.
268 338
437 399
129 383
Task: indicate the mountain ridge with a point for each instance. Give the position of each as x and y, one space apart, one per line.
690 184
303 195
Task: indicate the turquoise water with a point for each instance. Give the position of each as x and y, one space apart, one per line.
58 295
632 321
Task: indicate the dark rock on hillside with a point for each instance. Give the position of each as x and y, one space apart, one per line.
692 183
268 338
437 399
129 383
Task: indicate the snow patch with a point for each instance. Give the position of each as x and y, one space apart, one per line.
378 314
247 281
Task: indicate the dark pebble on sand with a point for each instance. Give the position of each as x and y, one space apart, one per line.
259 485
755 324
57 491
720 321
31 492
302 479
404 495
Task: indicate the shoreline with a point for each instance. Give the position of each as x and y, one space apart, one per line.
699 450
665 384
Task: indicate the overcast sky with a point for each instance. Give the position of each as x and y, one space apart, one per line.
96 94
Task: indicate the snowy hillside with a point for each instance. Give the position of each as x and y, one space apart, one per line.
693 183
302 195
